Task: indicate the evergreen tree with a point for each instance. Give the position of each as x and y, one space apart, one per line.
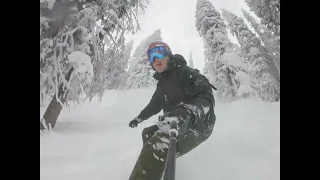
270 42
140 73
265 77
190 63
94 28
221 61
269 13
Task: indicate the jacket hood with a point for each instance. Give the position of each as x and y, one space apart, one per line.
175 61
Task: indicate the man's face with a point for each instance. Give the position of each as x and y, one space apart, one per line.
160 64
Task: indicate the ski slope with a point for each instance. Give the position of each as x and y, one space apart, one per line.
94 142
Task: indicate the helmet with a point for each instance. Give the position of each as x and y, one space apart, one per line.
159 43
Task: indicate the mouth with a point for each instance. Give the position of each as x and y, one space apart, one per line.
158 64
160 67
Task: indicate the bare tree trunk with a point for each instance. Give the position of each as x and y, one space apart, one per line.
53 110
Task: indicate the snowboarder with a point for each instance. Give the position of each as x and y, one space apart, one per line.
183 94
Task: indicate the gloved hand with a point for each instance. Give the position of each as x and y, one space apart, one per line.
133 123
184 117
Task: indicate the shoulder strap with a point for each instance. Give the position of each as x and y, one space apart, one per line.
197 70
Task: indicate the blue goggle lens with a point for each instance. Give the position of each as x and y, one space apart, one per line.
158 52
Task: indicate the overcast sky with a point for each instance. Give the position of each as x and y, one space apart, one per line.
176 19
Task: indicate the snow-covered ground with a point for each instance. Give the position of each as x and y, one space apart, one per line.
94 142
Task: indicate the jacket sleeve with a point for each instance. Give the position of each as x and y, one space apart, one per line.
154 106
193 82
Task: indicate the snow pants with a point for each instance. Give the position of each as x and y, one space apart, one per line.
195 125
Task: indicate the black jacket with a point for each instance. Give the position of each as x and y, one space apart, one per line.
178 84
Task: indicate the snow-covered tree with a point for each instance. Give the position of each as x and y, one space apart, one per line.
212 28
116 67
221 60
238 72
190 62
265 77
269 13
42 98
270 41
140 72
95 28
119 68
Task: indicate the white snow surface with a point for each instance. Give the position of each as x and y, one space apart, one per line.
93 141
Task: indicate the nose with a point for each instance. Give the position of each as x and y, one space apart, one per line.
156 60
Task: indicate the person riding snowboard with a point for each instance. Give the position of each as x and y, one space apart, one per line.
184 95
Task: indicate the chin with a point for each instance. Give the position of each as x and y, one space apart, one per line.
160 70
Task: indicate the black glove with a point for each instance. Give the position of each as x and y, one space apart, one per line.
133 123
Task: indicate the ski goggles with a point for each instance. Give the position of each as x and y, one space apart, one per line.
158 52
